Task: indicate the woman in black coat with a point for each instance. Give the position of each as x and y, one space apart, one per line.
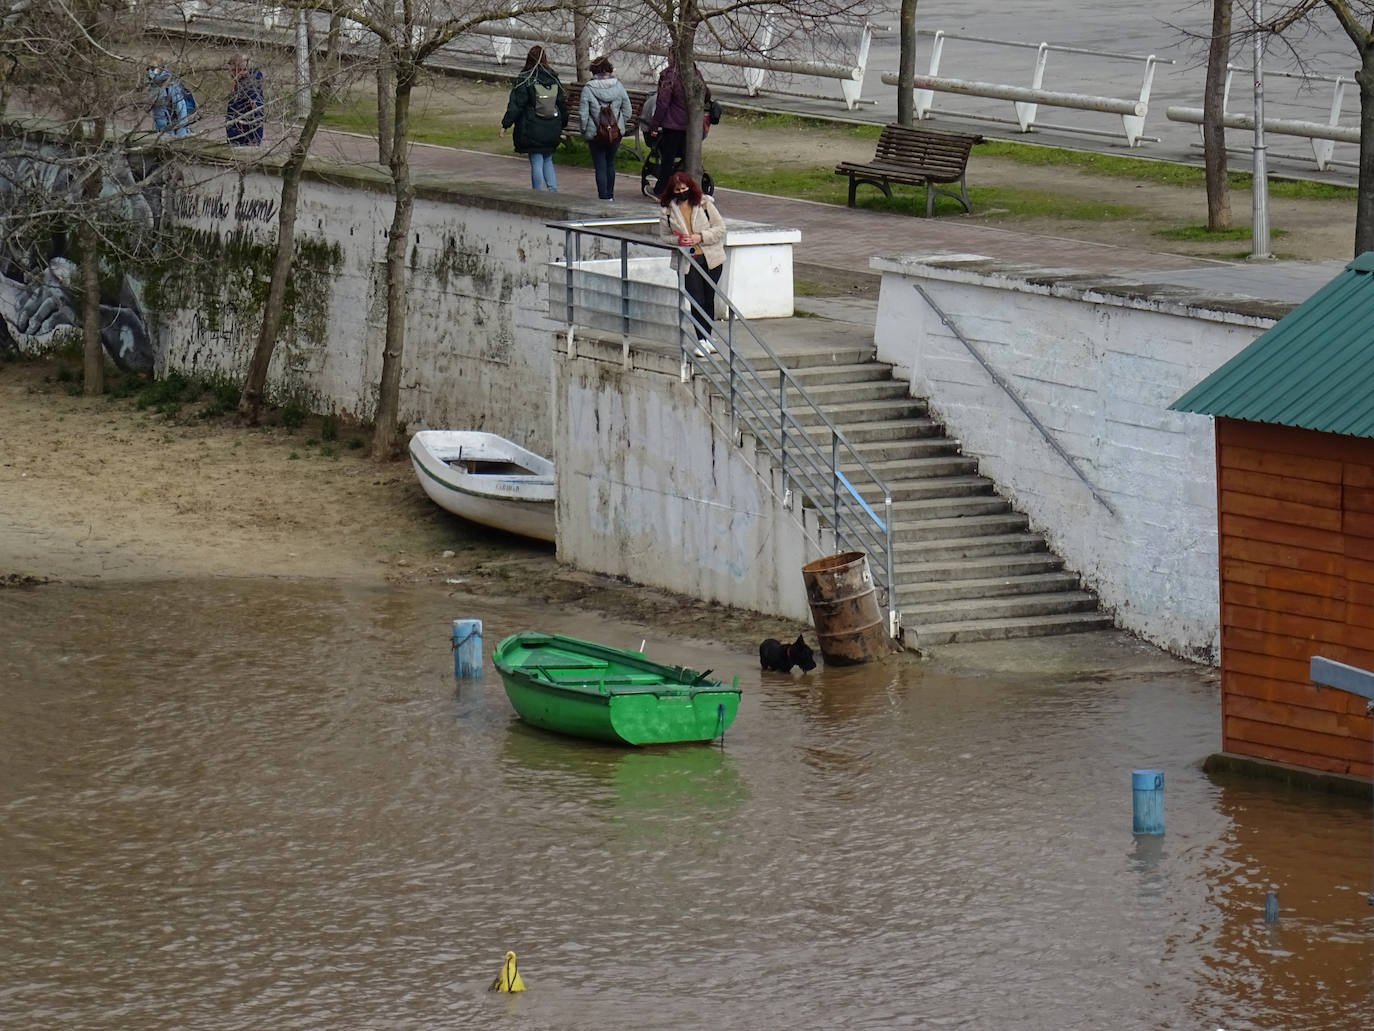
538 109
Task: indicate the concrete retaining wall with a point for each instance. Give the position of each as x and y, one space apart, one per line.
698 517
1099 368
478 350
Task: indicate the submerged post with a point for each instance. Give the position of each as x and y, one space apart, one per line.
1271 907
1147 789
467 647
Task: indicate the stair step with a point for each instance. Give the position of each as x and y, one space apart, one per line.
947 549
841 356
958 527
915 469
826 394
1013 606
930 487
914 448
1007 629
910 427
915 594
867 372
948 508
853 413
1023 564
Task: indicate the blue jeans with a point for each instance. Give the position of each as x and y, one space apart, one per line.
541 173
603 160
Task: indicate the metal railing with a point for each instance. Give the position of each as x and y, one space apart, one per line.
601 283
1027 99
1323 136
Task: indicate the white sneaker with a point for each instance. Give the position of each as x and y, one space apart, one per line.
700 352
704 345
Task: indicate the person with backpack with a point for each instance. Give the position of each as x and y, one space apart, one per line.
169 101
605 110
244 114
538 109
669 120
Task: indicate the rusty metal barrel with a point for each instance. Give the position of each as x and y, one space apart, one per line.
849 624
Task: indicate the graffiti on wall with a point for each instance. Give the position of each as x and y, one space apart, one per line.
40 280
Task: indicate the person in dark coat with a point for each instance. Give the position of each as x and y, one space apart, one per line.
669 120
245 114
538 109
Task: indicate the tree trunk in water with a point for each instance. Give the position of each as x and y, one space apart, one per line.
389 393
906 65
582 45
386 92
93 351
1213 130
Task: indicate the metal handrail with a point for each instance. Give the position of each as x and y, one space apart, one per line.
811 452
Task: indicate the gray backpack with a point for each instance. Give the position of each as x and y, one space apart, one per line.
546 100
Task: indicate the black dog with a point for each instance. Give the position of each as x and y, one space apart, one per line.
781 657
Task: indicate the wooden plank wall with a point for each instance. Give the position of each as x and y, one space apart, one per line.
1296 511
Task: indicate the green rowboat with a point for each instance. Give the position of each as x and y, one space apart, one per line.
595 691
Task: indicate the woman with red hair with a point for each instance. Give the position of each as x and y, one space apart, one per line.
689 219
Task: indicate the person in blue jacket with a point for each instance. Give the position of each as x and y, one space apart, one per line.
245 113
167 99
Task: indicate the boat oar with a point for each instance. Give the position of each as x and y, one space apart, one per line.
701 676
508 980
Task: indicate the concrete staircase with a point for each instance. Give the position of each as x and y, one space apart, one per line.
968 568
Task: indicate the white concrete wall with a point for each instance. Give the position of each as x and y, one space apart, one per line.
651 489
1099 370
478 349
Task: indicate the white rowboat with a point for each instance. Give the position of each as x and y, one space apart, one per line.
487 479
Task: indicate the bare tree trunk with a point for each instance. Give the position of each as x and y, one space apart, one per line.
1364 204
389 397
906 65
93 352
1213 129
582 46
255 383
683 51
386 93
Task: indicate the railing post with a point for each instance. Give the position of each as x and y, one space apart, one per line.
625 302
924 99
1025 111
568 246
894 614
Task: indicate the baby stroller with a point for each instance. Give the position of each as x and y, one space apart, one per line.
648 172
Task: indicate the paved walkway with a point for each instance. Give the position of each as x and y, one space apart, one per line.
845 239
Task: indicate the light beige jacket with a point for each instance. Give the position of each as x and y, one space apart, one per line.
706 220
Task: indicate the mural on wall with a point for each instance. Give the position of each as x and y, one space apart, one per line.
39 277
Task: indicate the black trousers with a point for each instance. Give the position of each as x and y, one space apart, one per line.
672 147
703 294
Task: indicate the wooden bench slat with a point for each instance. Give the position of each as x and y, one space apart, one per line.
912 156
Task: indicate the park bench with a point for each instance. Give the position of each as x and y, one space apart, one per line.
631 133
915 156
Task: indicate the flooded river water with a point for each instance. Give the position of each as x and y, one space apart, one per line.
257 804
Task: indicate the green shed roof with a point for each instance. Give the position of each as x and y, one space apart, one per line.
1313 369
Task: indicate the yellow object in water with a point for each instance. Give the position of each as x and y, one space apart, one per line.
508 980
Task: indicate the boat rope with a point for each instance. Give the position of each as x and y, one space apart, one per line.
720 722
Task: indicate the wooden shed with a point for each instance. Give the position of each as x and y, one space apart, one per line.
1294 418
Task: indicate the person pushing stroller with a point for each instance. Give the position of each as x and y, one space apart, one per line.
667 121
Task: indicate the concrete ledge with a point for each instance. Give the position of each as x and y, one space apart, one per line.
1231 764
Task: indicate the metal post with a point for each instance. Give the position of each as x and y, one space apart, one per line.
1260 174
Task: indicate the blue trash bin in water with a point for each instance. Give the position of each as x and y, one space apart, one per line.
1147 790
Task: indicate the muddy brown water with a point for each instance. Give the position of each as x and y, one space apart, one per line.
263 804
